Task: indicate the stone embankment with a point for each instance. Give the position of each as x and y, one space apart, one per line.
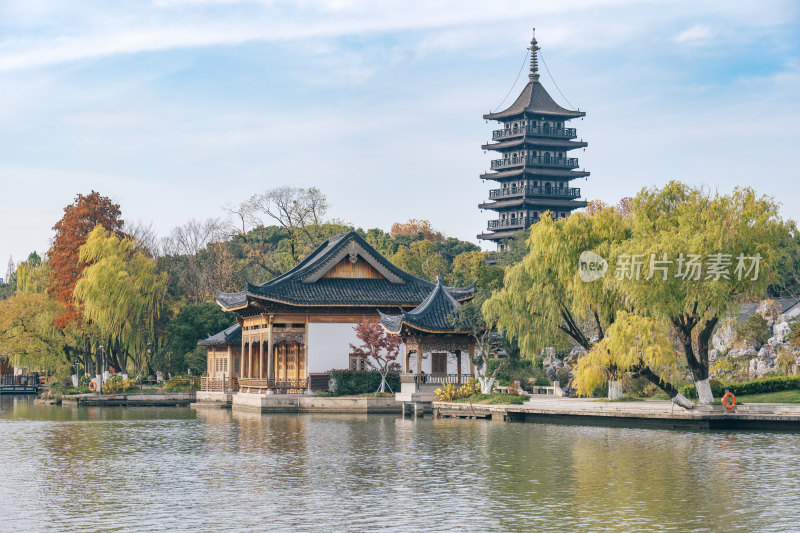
167 399
661 414
295 403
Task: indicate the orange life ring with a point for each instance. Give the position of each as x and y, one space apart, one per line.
731 397
93 386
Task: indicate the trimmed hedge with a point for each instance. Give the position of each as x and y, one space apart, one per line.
519 369
348 383
756 386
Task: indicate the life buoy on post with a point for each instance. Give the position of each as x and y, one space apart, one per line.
729 397
93 386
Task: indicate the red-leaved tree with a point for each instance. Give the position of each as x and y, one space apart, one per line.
381 350
80 218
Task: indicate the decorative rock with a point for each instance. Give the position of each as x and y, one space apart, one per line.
780 331
743 352
713 354
724 336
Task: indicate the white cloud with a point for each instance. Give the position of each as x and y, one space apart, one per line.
696 35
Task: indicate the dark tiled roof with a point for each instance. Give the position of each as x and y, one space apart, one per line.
231 335
782 305
432 315
535 172
539 203
535 100
304 285
535 141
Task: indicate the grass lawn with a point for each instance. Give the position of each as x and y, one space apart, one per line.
494 399
784 396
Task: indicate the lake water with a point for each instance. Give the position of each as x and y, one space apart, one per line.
177 469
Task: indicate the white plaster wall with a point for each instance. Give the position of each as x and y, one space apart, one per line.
329 346
427 363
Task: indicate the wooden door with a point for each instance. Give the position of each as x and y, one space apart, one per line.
290 363
439 363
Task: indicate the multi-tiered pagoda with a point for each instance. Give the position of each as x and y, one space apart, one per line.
534 170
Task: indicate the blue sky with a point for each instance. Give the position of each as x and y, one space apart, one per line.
177 108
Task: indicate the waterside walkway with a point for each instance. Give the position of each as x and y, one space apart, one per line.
661 414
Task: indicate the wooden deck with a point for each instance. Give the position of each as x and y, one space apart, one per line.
657 414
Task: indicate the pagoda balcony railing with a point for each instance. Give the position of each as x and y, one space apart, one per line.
510 223
544 131
564 162
508 192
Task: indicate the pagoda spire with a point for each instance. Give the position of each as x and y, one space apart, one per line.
534 75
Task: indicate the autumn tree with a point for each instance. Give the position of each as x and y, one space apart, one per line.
422 259
28 336
380 349
122 296
416 227
80 218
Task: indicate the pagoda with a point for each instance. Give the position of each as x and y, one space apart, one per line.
534 170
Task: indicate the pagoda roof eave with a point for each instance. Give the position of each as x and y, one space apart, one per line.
535 141
498 235
541 203
536 172
534 100
431 316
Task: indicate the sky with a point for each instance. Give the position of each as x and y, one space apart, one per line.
177 109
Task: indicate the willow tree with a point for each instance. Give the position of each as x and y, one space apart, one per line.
122 295
544 297
692 257
633 344
28 335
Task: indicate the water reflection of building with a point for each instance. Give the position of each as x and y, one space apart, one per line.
301 323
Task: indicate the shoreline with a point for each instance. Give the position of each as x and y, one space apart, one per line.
650 414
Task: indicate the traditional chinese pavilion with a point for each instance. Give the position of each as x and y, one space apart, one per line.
302 322
534 171
427 331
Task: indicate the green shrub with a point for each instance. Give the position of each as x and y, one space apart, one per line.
349 383
450 391
182 384
756 386
523 370
755 329
117 385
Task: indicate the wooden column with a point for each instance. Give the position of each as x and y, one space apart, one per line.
229 370
420 351
405 349
250 358
458 366
242 372
261 352
270 352
306 356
